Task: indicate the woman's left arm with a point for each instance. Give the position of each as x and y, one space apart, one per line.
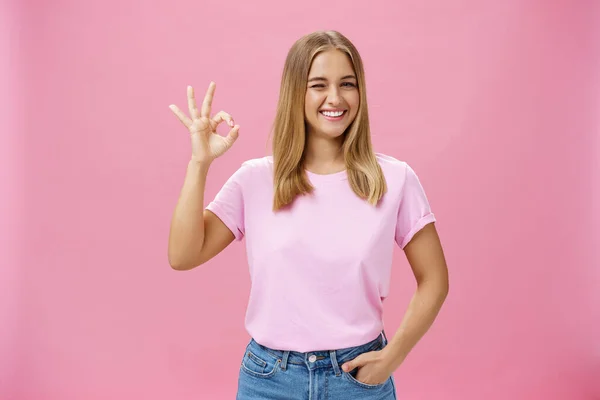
426 258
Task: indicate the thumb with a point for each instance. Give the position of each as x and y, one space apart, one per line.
233 135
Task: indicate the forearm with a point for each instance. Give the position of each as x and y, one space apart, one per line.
187 225
422 311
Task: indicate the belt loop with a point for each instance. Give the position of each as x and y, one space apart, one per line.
385 339
334 362
284 359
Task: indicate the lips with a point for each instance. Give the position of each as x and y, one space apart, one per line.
333 118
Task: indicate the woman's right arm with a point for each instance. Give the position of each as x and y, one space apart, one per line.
197 235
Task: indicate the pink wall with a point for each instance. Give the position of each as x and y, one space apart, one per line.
494 103
11 195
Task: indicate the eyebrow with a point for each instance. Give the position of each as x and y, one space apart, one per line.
320 78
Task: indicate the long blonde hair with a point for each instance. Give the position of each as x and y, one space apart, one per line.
289 131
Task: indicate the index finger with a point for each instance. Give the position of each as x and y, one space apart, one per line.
208 98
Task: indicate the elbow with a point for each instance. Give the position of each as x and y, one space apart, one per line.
444 292
437 285
178 266
181 265
179 259
444 288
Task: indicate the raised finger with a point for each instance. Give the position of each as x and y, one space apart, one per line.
208 98
182 117
192 103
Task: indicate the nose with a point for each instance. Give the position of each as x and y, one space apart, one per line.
333 96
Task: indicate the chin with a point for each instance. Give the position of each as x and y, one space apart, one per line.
331 133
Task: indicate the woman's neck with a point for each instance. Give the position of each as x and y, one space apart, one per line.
324 155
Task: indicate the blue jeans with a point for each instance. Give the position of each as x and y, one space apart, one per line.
271 374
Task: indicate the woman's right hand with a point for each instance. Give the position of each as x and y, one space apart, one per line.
207 144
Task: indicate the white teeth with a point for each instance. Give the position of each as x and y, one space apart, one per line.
332 114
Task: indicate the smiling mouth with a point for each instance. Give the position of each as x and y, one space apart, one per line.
333 116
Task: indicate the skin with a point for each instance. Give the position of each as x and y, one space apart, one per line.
197 235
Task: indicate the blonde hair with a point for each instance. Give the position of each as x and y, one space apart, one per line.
289 132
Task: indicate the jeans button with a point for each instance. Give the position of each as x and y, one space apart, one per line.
312 358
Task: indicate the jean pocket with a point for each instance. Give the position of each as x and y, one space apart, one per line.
351 377
259 365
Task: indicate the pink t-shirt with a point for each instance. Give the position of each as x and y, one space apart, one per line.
320 270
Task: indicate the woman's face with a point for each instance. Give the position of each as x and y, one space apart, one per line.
332 97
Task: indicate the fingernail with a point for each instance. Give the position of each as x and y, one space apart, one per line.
231 122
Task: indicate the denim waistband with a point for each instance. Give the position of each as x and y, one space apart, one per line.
323 358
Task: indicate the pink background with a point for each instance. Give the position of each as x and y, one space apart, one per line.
495 104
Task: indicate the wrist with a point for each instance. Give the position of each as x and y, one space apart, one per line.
202 164
392 359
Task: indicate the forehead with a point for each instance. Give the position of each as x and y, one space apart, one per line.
331 64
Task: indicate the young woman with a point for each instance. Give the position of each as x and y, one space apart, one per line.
320 217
